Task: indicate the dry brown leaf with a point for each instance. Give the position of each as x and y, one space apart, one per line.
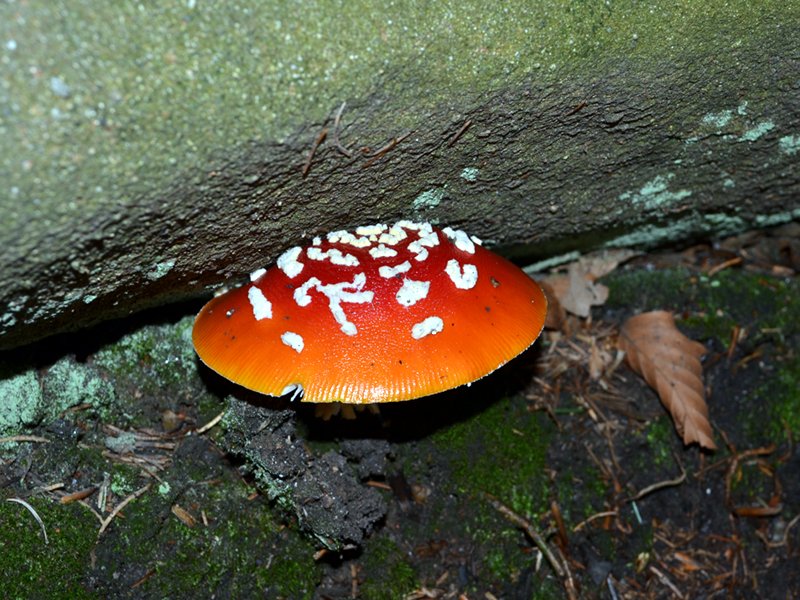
670 362
184 515
600 359
600 263
555 312
577 291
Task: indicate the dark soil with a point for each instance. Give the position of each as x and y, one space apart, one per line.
440 497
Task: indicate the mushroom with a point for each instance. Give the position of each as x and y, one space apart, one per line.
381 314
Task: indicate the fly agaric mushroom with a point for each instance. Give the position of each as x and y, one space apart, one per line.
383 314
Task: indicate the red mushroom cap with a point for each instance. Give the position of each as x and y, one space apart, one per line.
382 314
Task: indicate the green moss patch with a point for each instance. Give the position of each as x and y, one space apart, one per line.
712 306
241 552
499 451
783 411
386 574
31 397
33 569
156 355
22 401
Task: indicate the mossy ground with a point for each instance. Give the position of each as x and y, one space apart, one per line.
35 569
587 457
166 557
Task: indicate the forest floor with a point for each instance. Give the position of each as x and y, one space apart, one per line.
560 475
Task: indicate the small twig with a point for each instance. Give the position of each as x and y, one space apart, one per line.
736 334
119 507
391 144
754 355
353 580
79 495
611 588
610 442
151 473
336 141
157 461
665 580
531 532
92 510
33 512
736 459
51 488
102 496
757 511
560 527
210 424
320 138
381 151
636 512
380 485
320 553
728 263
578 108
561 570
23 438
792 523
661 484
143 578
594 517
462 130
183 515
604 468
569 582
